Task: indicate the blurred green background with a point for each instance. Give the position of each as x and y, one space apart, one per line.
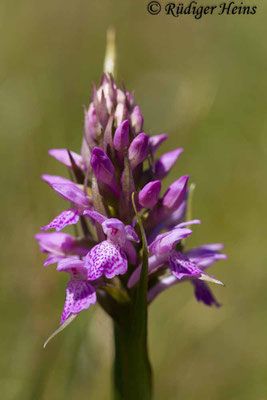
202 82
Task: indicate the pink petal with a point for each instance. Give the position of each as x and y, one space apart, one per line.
96 216
62 156
131 234
106 258
67 189
181 266
57 243
67 217
52 260
79 296
73 265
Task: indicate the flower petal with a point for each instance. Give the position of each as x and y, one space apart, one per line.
192 222
67 189
175 194
52 259
203 293
79 296
52 179
207 255
106 258
96 216
67 217
181 266
73 265
70 192
57 243
155 141
165 242
62 156
131 234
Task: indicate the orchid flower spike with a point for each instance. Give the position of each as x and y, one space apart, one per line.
115 199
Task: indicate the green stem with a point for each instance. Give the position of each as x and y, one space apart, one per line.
132 370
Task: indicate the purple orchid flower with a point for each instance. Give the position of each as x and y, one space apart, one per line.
80 293
118 159
58 246
163 248
109 257
65 250
201 258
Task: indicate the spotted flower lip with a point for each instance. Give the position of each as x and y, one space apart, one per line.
109 257
106 258
80 294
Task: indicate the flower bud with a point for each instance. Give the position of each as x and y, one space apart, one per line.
175 194
92 128
149 195
138 150
121 137
166 162
137 119
102 166
120 96
108 90
120 114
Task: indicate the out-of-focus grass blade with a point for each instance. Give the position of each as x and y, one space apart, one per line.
61 328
